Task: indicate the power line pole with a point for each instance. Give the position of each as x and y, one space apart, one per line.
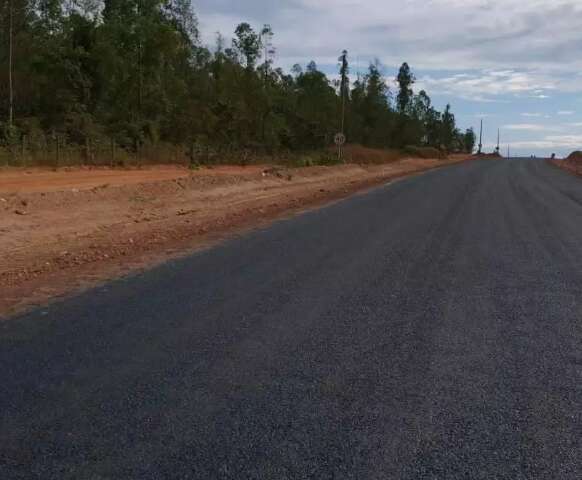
498 149
10 64
481 139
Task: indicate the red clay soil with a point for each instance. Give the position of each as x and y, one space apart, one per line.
65 231
572 163
359 154
493 156
35 180
575 156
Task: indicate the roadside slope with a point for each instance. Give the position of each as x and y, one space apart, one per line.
64 231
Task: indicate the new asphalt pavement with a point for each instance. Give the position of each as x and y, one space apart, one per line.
427 329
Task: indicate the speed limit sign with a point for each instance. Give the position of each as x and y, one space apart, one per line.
340 139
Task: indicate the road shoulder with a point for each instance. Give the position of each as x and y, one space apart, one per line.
65 232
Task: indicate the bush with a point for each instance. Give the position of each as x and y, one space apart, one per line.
9 136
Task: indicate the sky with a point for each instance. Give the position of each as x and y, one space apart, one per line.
516 64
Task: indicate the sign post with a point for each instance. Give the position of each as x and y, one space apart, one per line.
340 140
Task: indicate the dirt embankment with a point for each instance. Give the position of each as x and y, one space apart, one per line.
67 230
572 163
492 156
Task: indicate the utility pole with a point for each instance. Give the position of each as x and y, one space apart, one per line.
480 139
498 148
10 64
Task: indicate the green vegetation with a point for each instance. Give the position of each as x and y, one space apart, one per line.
104 81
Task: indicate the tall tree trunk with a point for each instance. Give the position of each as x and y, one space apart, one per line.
10 65
140 59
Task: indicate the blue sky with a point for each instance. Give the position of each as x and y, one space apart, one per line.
515 63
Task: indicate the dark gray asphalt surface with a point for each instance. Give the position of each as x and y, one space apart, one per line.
431 329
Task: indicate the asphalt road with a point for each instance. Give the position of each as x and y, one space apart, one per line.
429 329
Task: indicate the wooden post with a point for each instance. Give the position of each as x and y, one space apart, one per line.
112 152
86 152
138 153
58 151
23 150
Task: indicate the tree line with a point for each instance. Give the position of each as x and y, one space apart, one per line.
136 71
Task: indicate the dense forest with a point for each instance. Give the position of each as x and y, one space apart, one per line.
134 73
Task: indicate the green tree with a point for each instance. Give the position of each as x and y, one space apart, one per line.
316 108
247 43
371 99
344 86
135 71
183 18
448 128
266 41
405 81
469 140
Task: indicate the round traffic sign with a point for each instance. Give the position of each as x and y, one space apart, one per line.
340 139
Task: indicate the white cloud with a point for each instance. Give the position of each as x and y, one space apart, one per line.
430 34
566 112
552 142
529 127
572 141
532 115
486 85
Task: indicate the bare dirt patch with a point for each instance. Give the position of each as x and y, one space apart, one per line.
35 180
572 163
492 156
64 231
